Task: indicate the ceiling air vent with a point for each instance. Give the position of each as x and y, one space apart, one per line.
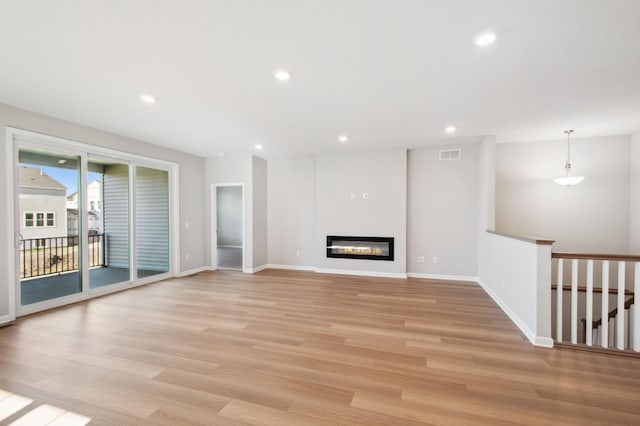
450 154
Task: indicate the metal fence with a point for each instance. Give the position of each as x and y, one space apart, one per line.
55 255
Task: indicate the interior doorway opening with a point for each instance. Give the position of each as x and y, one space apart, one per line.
229 235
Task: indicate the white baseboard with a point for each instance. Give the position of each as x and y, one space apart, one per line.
254 270
535 340
362 273
6 320
442 277
292 267
545 342
194 271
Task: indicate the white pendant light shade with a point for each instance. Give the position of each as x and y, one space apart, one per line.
568 179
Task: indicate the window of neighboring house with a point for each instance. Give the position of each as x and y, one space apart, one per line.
39 219
28 220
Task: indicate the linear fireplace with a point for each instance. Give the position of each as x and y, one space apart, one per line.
374 248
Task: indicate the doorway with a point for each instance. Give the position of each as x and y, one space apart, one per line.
229 226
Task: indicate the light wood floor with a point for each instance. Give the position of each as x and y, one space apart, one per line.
298 348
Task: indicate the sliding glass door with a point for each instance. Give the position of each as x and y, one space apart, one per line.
50 245
152 221
87 220
108 216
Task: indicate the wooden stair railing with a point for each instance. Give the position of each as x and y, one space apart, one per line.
612 314
622 333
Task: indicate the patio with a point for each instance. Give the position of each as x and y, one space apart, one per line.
54 286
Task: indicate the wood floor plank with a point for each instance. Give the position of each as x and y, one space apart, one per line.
259 415
299 348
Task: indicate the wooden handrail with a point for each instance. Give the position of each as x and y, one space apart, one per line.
534 240
583 289
613 313
596 256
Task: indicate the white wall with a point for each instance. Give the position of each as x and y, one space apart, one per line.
259 206
192 207
291 206
517 275
383 175
592 216
442 213
634 195
229 215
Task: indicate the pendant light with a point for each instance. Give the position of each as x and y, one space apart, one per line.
568 179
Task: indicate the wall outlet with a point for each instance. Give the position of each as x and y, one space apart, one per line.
365 195
187 225
435 259
186 256
420 259
298 253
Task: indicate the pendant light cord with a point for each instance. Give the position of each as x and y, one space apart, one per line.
568 163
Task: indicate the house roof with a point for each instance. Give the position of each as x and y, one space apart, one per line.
32 177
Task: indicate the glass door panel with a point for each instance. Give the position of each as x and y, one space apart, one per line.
108 222
152 221
50 251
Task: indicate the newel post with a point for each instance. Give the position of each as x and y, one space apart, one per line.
543 299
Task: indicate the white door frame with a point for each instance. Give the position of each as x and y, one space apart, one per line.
214 223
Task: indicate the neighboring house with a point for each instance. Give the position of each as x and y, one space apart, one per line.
94 207
43 212
72 222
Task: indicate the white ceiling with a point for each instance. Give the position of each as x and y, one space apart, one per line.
390 74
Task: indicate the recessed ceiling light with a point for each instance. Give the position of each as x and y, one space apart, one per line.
258 146
148 98
485 39
450 129
282 75
343 138
62 161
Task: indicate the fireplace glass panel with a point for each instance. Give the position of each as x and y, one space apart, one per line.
374 248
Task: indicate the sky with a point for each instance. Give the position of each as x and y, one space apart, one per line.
67 177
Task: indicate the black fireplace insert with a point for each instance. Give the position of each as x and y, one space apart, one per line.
373 248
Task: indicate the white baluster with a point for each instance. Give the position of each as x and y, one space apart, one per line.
636 318
559 291
604 313
574 301
620 314
632 316
589 316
